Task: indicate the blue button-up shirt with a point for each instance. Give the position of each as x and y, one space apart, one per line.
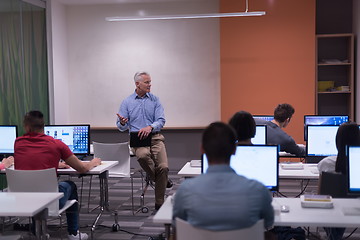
141 112
222 200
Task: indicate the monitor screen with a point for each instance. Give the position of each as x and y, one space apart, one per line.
264 117
8 134
321 140
76 137
323 120
260 136
259 162
353 153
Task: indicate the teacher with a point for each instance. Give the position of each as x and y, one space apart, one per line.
143 114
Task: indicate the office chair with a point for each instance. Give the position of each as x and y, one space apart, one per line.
185 231
333 184
37 181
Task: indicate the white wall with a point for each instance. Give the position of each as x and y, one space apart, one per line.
356 26
58 71
182 56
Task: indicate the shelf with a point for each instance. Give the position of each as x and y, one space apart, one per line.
336 92
334 64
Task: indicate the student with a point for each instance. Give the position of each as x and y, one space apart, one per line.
35 151
221 199
244 126
6 162
275 134
347 134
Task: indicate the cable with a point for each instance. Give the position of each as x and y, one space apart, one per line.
310 233
129 232
350 234
302 191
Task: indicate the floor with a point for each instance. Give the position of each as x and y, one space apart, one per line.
140 226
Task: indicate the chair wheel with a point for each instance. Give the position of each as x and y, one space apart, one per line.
144 209
115 227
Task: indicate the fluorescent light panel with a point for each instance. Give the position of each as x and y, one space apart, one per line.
185 16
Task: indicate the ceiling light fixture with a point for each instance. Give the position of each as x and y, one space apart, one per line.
187 16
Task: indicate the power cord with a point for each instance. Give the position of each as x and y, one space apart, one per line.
350 234
136 234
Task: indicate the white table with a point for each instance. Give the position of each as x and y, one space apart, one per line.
308 172
297 216
18 204
103 172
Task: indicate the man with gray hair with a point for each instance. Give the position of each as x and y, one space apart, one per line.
143 114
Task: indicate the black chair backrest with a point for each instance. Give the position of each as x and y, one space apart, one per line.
333 184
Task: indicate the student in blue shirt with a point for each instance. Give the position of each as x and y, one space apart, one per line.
221 199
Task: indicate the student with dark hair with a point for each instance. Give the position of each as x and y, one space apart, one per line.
36 151
220 199
276 135
348 134
245 127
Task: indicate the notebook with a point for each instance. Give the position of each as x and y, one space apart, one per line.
135 140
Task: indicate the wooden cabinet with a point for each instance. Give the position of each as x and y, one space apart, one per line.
335 74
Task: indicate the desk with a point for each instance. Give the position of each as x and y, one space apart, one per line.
18 204
103 172
308 172
297 216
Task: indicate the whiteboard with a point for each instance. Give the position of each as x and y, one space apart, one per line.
182 57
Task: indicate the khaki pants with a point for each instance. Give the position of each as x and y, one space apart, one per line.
153 160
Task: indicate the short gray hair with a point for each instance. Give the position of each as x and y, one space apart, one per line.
138 76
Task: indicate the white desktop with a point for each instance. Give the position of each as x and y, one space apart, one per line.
8 134
259 162
321 140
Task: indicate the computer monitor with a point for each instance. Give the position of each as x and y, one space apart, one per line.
323 120
8 134
353 163
260 136
76 137
259 162
321 140
264 117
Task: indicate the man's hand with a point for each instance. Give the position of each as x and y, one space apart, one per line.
63 165
96 161
144 132
123 120
8 161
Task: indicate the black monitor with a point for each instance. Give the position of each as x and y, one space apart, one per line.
323 120
260 136
76 137
353 163
264 117
259 162
8 134
321 140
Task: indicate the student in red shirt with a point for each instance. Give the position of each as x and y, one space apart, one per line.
35 151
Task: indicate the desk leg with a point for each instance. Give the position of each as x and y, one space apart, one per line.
104 199
40 225
167 231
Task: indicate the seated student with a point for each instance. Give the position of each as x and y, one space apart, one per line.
35 151
245 127
275 134
6 162
347 134
221 199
